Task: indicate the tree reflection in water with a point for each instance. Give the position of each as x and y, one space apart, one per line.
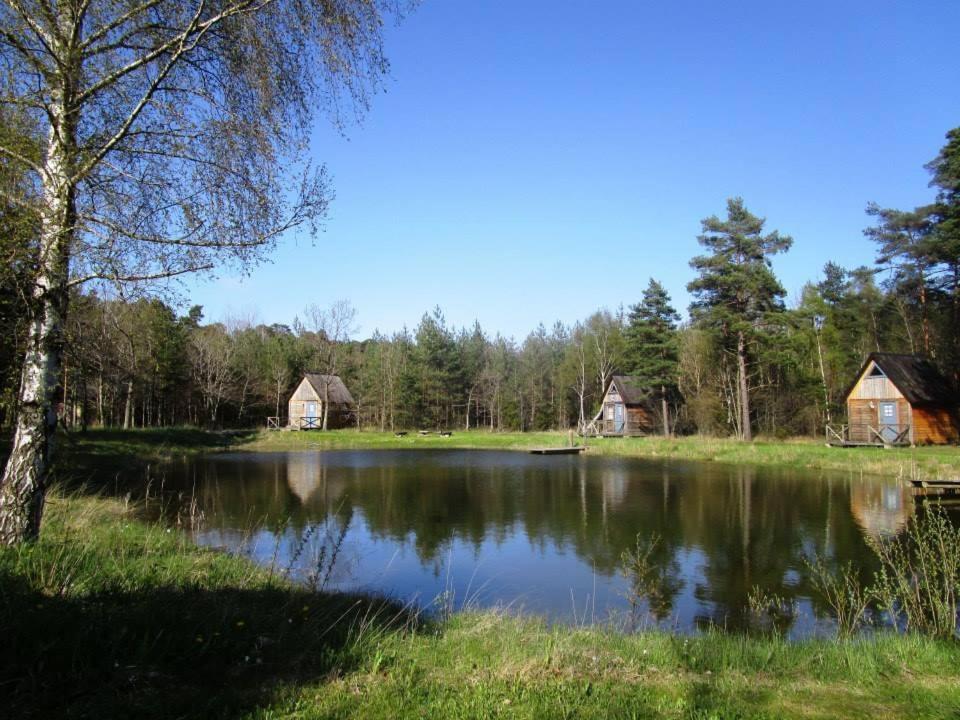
530 530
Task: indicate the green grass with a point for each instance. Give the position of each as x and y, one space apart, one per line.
108 616
151 444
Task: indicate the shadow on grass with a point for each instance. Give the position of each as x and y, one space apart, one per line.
177 652
178 439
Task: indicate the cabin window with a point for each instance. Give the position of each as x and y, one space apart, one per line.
610 412
887 410
876 372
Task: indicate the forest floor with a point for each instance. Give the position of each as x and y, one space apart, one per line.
934 462
111 616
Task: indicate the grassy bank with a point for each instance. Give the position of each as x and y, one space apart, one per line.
109 617
930 462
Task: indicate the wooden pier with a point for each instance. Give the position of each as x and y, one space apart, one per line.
931 488
558 450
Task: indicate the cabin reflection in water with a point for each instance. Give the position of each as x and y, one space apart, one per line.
880 510
310 480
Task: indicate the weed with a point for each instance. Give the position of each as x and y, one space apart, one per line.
919 579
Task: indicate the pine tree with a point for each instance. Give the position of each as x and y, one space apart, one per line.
651 345
737 288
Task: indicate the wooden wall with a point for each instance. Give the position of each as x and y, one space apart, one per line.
929 426
860 415
874 388
934 426
297 405
640 421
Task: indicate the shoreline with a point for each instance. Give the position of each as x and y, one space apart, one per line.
930 462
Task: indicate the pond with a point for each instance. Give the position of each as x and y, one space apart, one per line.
542 534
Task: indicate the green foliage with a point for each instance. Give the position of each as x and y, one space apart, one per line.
736 287
651 339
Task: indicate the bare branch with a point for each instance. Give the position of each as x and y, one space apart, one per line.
117 278
105 30
42 35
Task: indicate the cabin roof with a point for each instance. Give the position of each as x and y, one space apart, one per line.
914 376
631 389
337 391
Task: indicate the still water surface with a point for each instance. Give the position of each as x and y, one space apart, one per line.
543 534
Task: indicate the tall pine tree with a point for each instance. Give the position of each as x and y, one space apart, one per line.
737 288
651 345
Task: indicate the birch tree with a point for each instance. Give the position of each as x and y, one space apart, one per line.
173 134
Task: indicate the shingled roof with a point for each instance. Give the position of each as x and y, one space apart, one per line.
337 391
631 389
914 376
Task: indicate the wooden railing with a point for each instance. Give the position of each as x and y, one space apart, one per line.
273 423
867 434
890 433
837 433
310 423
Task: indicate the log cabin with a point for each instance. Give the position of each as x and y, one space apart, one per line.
626 409
305 409
901 399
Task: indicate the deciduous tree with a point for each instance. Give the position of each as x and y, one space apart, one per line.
172 134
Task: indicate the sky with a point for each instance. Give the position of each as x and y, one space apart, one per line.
535 161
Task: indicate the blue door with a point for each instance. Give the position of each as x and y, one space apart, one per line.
618 421
889 421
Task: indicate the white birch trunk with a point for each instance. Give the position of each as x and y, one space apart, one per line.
25 477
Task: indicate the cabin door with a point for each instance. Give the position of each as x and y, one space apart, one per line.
310 415
889 421
618 420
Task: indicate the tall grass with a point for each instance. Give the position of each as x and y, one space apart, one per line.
916 589
919 579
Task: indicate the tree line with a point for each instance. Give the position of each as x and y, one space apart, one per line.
742 363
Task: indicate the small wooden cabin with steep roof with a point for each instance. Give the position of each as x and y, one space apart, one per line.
901 399
626 408
305 408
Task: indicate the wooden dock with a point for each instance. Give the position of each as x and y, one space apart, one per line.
558 450
926 488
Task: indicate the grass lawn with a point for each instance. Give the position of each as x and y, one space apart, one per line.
927 462
108 616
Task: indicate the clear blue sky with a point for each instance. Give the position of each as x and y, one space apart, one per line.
534 161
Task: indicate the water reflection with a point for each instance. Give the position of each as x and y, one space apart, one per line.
546 533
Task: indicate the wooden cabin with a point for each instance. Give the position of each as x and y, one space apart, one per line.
626 409
899 400
306 405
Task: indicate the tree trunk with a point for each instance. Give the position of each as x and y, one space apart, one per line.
326 403
742 386
666 411
128 406
24 483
